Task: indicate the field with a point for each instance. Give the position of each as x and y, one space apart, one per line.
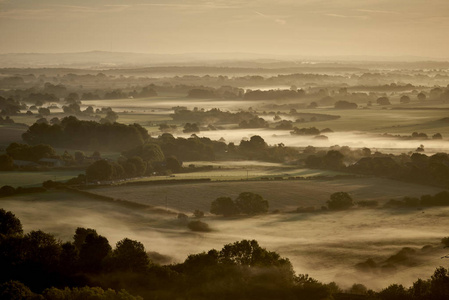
324 245
282 195
9 134
35 178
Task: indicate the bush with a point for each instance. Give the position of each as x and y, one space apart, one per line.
368 203
198 214
445 241
198 226
340 201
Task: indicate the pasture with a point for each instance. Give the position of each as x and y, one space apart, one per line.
35 178
285 195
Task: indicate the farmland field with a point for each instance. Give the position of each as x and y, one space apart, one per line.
35 178
283 195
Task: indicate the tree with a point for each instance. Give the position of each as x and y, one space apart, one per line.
80 236
340 201
42 249
422 97
9 223
439 284
93 251
198 214
6 163
173 164
100 170
249 253
224 206
7 190
44 111
437 136
383 101
405 99
251 204
191 127
139 165
130 255
345 105
15 290
255 143
334 160
197 225
393 292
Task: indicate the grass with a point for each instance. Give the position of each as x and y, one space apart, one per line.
27 179
10 134
283 195
377 120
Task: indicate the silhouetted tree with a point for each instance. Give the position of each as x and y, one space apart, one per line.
130 255
251 203
339 201
9 223
224 206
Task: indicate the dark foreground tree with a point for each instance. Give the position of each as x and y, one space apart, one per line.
130 255
9 224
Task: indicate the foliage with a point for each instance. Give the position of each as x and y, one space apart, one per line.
9 223
255 122
305 131
87 293
251 204
100 170
273 94
15 290
130 255
198 226
191 127
246 203
345 105
340 201
72 132
6 162
241 270
224 206
198 214
31 153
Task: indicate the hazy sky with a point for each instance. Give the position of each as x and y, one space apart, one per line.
298 27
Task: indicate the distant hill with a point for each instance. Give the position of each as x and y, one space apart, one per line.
108 60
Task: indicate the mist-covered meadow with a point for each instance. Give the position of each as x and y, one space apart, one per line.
325 245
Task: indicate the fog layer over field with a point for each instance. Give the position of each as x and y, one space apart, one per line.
324 245
353 139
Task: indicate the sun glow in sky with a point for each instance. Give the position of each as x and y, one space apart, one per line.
283 27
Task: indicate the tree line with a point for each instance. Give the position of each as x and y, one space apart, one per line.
36 265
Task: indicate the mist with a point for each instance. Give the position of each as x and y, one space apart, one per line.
311 241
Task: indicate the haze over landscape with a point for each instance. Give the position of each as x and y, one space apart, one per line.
286 29
209 149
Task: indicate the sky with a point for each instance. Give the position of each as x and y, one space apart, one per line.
282 27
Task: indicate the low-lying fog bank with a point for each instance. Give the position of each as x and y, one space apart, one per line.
353 139
326 245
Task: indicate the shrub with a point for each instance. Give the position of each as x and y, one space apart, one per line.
198 226
340 201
